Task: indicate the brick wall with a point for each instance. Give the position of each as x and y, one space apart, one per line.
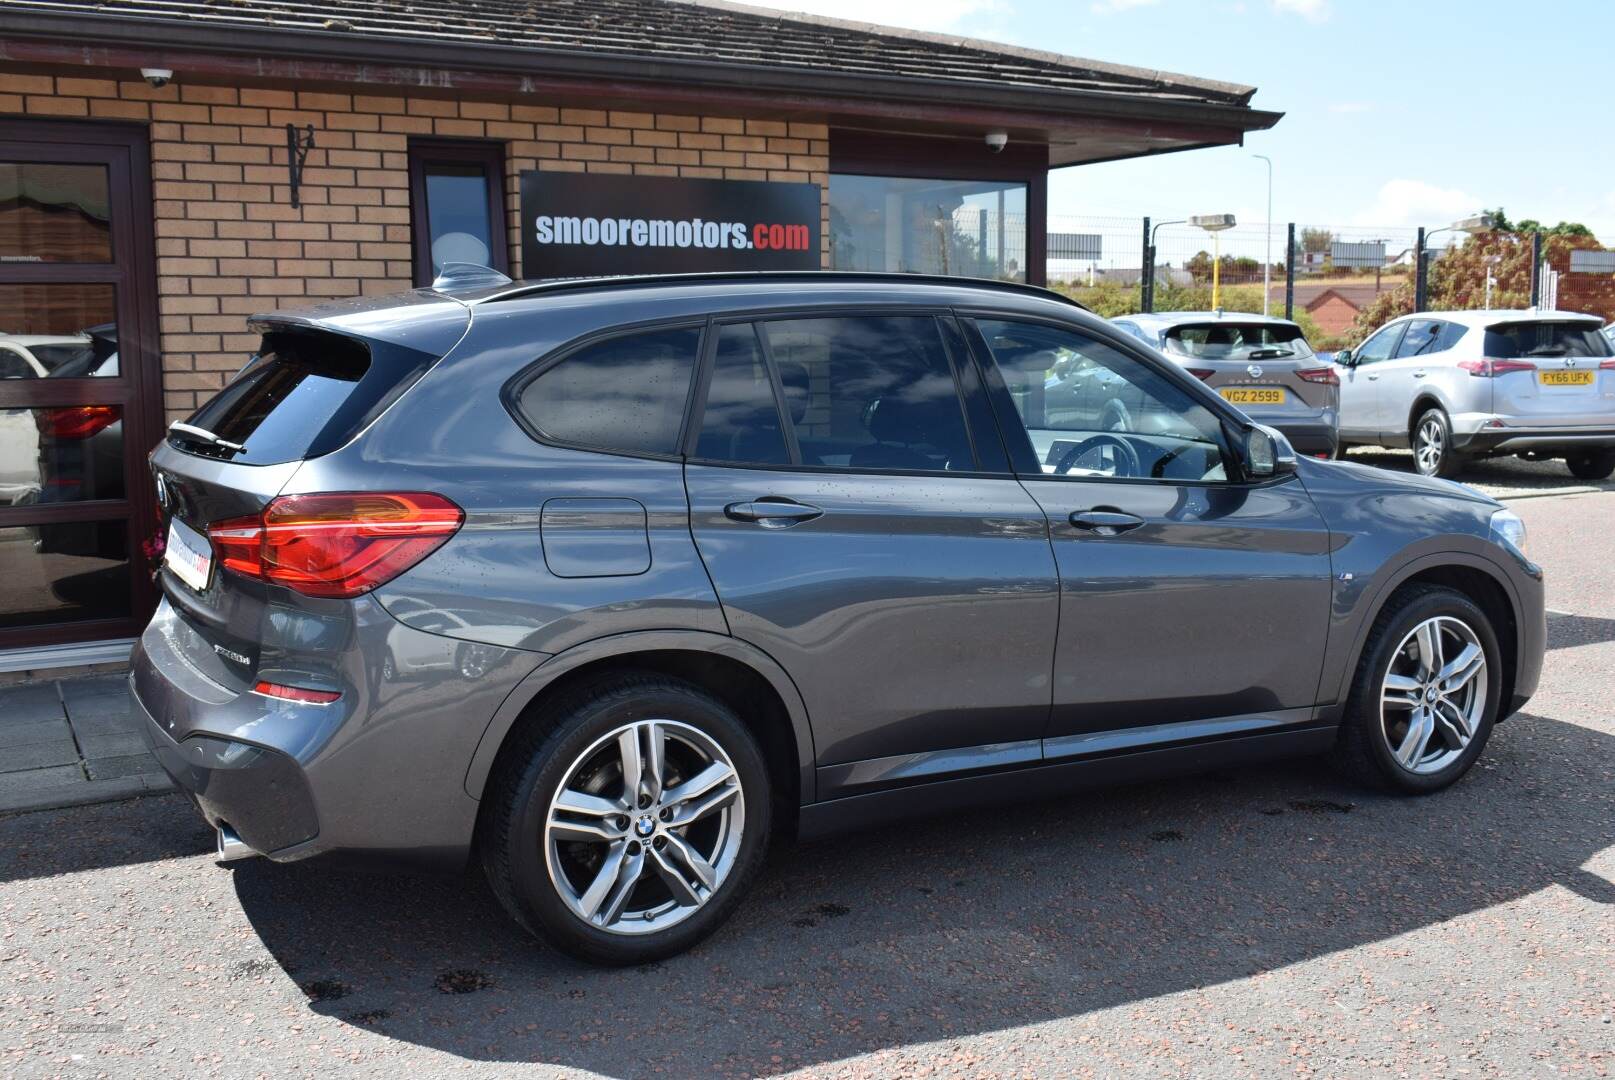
229 243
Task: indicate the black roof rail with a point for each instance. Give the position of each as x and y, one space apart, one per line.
556 285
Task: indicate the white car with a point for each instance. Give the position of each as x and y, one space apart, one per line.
1456 385
35 356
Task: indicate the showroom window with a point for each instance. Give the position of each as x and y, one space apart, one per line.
457 200
912 225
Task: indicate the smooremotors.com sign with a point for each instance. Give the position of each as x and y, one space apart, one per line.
576 224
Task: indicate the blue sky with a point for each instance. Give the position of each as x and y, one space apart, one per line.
1398 112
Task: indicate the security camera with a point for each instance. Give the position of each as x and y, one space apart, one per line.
158 77
996 141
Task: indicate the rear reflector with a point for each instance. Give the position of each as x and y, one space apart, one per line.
1607 365
337 545
295 693
1324 376
1490 369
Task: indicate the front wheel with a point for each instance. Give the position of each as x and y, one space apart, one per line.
626 822
1425 695
1592 465
1433 453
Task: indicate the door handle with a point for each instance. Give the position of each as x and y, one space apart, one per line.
1419 374
772 513
1104 521
1371 377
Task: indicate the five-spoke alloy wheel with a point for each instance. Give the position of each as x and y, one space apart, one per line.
625 820
1425 694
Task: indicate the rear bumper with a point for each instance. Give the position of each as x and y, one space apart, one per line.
376 776
1550 441
1309 437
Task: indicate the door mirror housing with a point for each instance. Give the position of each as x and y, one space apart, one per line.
1345 359
1267 453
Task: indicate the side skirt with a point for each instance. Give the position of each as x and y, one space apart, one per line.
1056 778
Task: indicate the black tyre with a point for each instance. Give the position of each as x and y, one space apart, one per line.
625 873
1425 693
1431 440
1592 465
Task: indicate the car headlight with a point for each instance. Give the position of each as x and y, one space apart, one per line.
1508 530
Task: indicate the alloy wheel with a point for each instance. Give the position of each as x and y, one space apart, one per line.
1430 445
645 827
1434 694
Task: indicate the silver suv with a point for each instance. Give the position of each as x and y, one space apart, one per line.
1264 365
1455 385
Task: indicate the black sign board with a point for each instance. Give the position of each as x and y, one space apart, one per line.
581 224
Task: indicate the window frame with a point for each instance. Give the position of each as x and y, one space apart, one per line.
490 154
937 314
510 394
1023 458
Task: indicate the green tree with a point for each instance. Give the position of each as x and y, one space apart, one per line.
1316 241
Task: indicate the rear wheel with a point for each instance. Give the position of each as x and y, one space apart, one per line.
627 821
1591 465
1431 439
1425 694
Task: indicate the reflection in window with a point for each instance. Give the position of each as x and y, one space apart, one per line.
54 213
70 453
969 228
66 572
60 330
879 393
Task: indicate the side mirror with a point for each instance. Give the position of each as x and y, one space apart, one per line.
1344 358
1267 453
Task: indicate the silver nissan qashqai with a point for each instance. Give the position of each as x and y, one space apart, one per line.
604 583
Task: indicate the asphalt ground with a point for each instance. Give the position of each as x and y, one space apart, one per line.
1264 921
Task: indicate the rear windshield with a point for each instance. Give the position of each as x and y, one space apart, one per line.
1509 341
305 393
1237 341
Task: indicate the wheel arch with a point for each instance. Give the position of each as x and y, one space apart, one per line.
1478 578
740 675
1423 401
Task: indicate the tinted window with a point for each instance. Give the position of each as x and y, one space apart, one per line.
872 392
625 394
1508 341
1422 338
1092 411
304 394
1237 341
1379 346
740 421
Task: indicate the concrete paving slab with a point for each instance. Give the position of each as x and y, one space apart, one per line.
105 723
38 755
35 779
40 731
104 746
82 793
108 768
30 704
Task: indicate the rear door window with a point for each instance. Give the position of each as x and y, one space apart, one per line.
1237 341
304 394
1512 341
740 420
1422 338
625 394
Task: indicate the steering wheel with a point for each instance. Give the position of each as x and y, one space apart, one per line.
1126 457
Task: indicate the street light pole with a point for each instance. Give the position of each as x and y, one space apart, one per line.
1267 263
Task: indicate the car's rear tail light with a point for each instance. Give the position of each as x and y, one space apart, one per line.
295 693
336 545
1323 376
1607 365
1490 369
1201 372
79 421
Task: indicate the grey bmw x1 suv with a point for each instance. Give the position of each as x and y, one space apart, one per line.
603 583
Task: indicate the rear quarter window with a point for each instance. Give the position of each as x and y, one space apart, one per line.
303 395
625 394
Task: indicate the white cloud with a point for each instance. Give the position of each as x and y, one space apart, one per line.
1414 202
941 16
1347 108
1111 7
1311 10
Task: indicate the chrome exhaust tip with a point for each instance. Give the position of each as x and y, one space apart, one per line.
231 847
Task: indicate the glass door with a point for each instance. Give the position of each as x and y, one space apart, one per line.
79 382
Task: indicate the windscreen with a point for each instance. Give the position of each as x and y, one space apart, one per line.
1512 341
305 393
1237 341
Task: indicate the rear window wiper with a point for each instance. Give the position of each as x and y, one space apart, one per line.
1548 350
191 431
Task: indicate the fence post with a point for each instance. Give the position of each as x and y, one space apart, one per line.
1146 279
1289 275
1536 268
1418 272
